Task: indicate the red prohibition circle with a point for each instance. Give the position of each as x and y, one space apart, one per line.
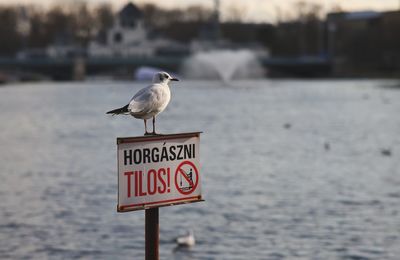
178 171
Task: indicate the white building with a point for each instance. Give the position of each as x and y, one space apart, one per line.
127 37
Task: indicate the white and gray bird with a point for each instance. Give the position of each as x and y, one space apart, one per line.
149 101
187 240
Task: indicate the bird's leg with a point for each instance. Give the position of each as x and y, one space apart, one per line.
145 127
154 125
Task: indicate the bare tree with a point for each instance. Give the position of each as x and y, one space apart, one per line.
235 13
104 16
10 40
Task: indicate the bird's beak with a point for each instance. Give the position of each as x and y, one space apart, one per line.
174 79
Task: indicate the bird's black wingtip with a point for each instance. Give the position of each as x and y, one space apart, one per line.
117 111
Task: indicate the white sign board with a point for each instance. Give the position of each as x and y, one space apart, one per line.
158 170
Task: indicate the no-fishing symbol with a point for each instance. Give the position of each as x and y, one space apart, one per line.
186 178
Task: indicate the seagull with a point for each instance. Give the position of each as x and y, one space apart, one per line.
187 240
149 101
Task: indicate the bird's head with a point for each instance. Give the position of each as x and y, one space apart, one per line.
163 77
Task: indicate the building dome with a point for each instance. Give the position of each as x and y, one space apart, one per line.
129 15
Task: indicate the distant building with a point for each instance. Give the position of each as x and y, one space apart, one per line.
126 37
359 42
129 37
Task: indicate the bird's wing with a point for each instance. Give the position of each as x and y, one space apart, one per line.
145 101
143 94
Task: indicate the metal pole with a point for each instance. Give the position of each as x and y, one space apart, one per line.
152 234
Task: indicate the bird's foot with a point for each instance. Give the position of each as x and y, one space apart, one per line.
154 133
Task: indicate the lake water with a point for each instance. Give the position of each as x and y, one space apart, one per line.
290 170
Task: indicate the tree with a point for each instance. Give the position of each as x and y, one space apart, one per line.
10 40
104 16
83 22
235 13
57 26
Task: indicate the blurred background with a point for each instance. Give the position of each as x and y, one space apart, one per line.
78 39
298 102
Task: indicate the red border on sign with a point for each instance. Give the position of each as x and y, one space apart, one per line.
157 202
178 170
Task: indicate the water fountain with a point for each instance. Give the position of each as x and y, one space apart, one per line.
223 64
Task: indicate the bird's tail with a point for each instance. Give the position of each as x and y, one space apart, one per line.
121 110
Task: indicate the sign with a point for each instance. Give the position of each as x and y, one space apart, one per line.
158 170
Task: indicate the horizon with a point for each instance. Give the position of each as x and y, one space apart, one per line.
251 11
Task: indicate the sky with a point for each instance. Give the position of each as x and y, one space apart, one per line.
250 10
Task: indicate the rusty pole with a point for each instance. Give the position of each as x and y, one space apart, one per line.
152 234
